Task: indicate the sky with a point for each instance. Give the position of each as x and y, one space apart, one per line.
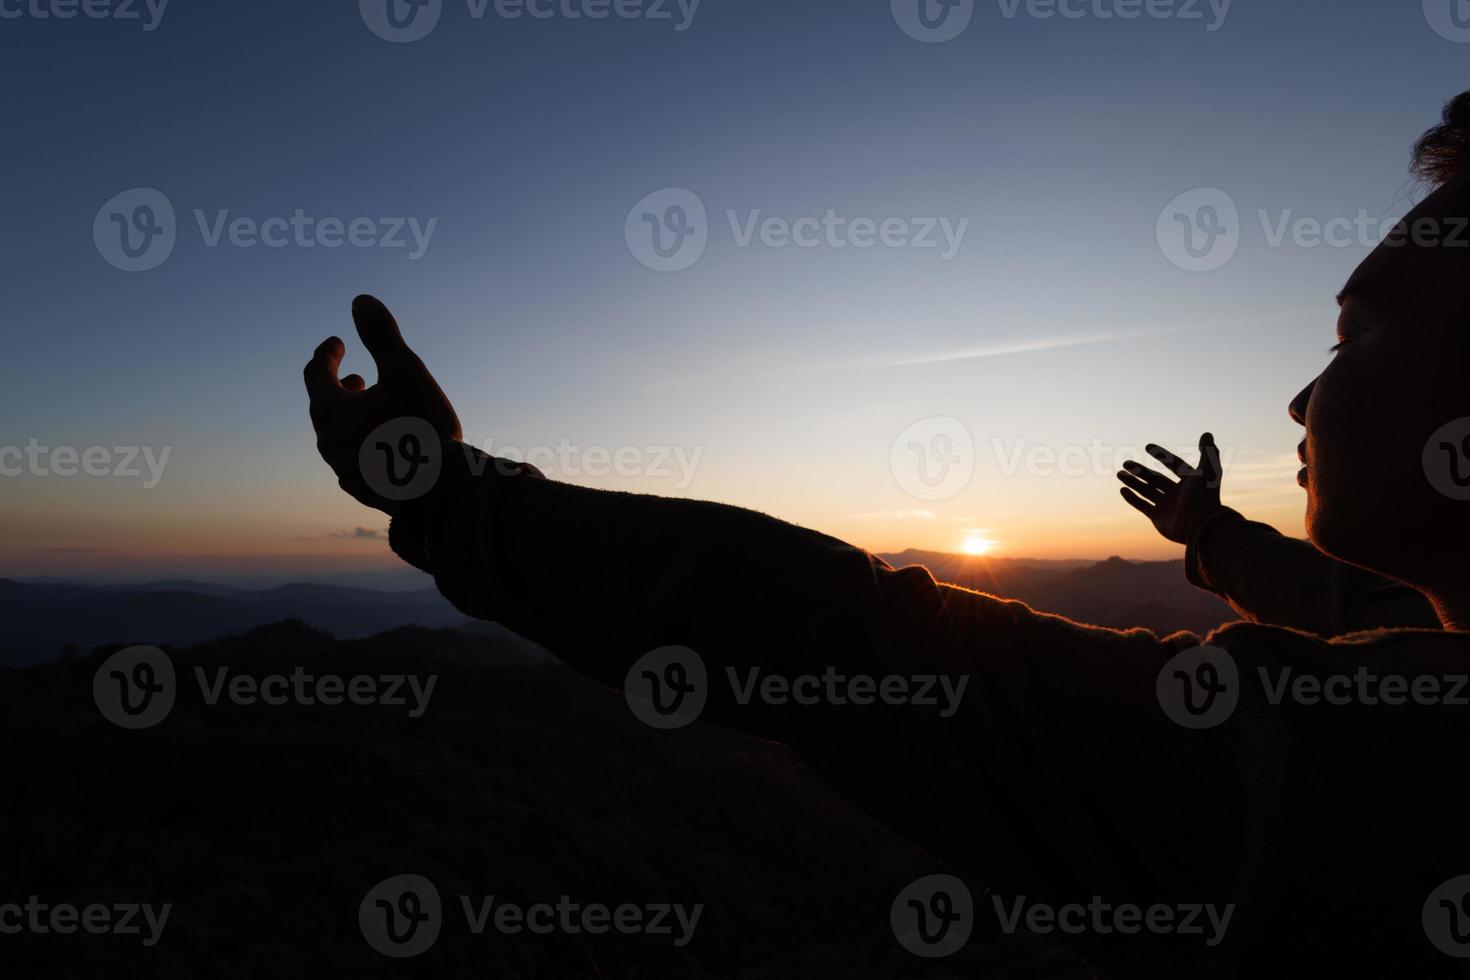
919 281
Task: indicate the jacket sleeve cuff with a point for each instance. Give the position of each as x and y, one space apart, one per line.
415 534
1196 556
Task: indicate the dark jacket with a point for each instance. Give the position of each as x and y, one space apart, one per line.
1062 775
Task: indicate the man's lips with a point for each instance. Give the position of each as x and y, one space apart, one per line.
1301 454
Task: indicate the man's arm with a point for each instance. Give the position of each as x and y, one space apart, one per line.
1264 575
1019 746
1040 753
1048 765
1270 578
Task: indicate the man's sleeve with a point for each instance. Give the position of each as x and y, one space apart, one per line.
1022 745
1270 578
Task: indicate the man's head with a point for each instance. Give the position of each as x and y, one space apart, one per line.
1398 375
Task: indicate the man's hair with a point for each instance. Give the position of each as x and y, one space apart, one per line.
1443 153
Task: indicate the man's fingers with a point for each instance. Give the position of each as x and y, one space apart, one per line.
1137 503
321 370
1180 468
1209 459
354 382
379 332
1144 489
1156 481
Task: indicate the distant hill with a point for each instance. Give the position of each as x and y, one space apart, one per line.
43 617
265 826
1118 593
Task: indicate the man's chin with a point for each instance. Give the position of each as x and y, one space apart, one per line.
1333 534
1358 539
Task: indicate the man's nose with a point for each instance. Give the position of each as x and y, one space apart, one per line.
1298 407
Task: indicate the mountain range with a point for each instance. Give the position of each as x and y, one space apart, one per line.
49 619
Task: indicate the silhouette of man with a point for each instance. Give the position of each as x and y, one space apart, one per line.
1266 576
1316 787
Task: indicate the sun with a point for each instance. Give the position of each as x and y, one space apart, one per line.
977 542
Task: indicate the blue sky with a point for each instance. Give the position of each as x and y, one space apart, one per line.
784 375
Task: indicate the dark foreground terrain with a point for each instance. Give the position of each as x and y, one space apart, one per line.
265 827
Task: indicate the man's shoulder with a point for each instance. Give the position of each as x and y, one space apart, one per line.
1260 641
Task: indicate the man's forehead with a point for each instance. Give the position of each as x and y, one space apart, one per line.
1439 223
1377 278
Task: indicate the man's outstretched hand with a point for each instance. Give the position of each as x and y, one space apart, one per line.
346 412
1176 509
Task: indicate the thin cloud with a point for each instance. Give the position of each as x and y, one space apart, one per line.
1002 348
1050 342
360 534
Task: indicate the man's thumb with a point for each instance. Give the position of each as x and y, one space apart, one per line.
1209 455
379 332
